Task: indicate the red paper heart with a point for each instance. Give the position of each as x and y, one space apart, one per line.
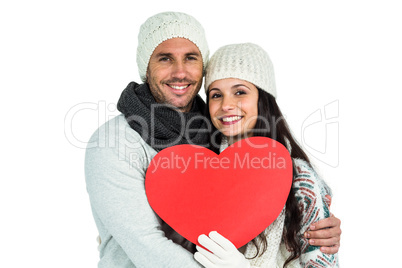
238 193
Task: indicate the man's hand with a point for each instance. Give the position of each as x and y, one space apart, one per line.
326 234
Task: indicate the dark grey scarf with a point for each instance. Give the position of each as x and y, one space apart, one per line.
160 125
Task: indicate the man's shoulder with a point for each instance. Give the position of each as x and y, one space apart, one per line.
115 127
114 134
115 145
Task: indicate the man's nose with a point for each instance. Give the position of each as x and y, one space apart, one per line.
179 70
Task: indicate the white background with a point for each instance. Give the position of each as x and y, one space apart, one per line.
63 65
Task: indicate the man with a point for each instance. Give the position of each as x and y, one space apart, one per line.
163 111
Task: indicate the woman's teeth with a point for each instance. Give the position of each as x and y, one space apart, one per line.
230 119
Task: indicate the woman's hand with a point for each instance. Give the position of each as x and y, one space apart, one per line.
222 253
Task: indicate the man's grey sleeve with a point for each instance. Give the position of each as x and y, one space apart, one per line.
115 174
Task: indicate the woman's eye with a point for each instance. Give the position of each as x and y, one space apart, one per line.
215 95
240 92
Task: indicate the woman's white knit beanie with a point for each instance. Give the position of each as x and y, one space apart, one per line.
242 61
164 26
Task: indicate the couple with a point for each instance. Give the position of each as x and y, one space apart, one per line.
165 110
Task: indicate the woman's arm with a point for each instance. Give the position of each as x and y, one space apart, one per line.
313 197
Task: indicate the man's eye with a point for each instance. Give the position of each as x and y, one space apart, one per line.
191 58
164 59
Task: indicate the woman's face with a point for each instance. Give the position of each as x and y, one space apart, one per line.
233 107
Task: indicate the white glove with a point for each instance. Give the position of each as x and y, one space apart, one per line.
224 253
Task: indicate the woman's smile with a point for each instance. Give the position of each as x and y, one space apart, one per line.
230 119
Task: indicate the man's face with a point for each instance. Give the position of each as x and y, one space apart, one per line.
174 73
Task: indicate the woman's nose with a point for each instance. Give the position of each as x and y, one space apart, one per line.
228 104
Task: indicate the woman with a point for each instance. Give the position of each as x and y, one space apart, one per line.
240 88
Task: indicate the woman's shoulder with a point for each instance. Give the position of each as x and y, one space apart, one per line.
302 167
308 181
310 188
305 172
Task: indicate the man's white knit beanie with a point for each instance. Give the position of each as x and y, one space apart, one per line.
242 61
164 26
